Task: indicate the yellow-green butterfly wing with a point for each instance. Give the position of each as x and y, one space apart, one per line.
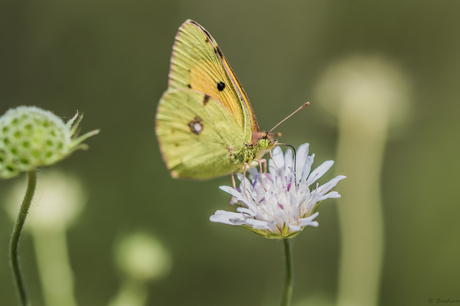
205 124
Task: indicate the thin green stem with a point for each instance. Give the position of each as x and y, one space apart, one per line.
286 301
14 244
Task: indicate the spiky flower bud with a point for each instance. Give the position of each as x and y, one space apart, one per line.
31 137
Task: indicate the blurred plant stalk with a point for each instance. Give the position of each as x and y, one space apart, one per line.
17 230
131 293
141 258
360 154
60 198
54 266
368 95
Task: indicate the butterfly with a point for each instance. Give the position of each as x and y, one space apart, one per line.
205 124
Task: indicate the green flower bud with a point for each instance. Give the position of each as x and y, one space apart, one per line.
31 137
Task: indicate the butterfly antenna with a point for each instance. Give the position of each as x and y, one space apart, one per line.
302 107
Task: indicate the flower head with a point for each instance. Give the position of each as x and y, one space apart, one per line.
279 204
31 137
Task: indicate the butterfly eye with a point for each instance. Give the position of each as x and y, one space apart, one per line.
264 143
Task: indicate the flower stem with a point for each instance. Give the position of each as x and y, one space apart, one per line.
14 243
52 255
286 301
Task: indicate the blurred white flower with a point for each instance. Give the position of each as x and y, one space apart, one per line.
371 90
59 200
142 257
280 203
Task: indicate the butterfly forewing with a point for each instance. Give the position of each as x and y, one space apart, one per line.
199 64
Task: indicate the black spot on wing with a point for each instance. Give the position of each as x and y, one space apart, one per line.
221 86
206 99
189 86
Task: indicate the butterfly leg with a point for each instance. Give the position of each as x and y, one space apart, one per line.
234 187
271 156
245 167
262 161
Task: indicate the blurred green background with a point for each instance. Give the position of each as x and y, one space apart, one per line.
110 60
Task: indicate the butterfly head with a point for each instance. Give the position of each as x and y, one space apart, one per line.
265 141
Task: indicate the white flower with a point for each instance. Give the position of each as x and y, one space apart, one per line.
280 204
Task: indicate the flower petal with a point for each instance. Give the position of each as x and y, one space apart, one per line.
253 172
257 224
227 217
307 168
278 157
272 168
236 194
272 227
245 211
319 172
329 185
288 162
230 190
309 221
294 228
330 195
301 159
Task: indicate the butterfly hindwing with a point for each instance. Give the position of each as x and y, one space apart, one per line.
197 134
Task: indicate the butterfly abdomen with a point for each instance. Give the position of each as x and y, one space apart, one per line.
246 155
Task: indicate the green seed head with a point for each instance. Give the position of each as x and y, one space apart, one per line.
31 137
